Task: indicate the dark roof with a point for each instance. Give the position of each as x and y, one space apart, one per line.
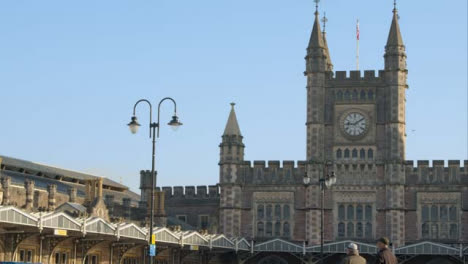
52 172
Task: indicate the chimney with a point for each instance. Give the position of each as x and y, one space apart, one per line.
29 186
6 181
52 189
72 195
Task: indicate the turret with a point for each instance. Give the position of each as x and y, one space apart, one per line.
232 147
395 56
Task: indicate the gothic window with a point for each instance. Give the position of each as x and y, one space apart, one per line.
425 213
354 153
369 212
453 213
453 231
359 230
346 153
341 230
347 95
260 211
286 231
363 95
362 154
277 211
425 230
260 229
350 229
269 229
355 95
370 154
350 213
286 212
268 211
359 212
443 231
368 230
443 213
341 212
339 95
339 154
370 95
278 229
434 213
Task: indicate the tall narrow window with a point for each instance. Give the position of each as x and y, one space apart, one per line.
434 231
355 95
443 213
286 211
341 212
260 211
434 213
350 230
453 213
362 154
359 212
368 230
277 229
277 212
350 213
269 208
341 230
370 154
286 231
425 230
347 95
425 213
354 153
359 230
260 229
269 229
346 153
453 231
370 95
339 95
369 212
363 95
339 154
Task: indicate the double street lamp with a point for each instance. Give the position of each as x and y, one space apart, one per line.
325 181
153 133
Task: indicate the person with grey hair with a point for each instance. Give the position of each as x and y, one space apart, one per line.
353 255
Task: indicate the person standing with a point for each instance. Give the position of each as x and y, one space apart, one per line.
385 255
353 255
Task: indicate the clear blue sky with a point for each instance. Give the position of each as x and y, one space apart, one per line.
70 72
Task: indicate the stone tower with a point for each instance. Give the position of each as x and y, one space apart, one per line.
231 157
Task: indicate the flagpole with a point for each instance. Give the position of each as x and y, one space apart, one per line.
357 45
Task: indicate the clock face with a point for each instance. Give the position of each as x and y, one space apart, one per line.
355 124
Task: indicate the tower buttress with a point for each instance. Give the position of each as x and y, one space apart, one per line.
231 158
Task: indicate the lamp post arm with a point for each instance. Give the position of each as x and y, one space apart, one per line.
159 110
150 110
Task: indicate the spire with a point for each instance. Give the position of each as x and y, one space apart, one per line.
324 34
316 38
394 36
232 127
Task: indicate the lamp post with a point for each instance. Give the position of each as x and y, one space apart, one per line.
324 182
153 133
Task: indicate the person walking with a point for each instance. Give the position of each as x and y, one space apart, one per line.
353 255
385 255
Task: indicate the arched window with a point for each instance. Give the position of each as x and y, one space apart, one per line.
350 214
369 230
362 154
346 153
434 213
355 95
268 211
363 95
354 153
341 230
370 154
434 231
339 95
269 229
359 230
347 95
443 213
370 95
425 230
260 229
277 229
359 212
453 213
339 154
277 211
425 213
443 231
369 212
341 212
286 211
260 211
350 230
286 232
454 231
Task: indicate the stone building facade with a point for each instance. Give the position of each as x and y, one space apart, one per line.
356 127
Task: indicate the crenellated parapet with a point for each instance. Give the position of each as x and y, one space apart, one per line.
368 76
190 192
439 172
272 172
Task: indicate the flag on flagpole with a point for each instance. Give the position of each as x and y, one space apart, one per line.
357 30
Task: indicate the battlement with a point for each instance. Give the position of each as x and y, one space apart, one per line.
367 75
454 171
274 164
201 191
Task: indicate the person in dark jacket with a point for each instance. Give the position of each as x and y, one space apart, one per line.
353 255
385 255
